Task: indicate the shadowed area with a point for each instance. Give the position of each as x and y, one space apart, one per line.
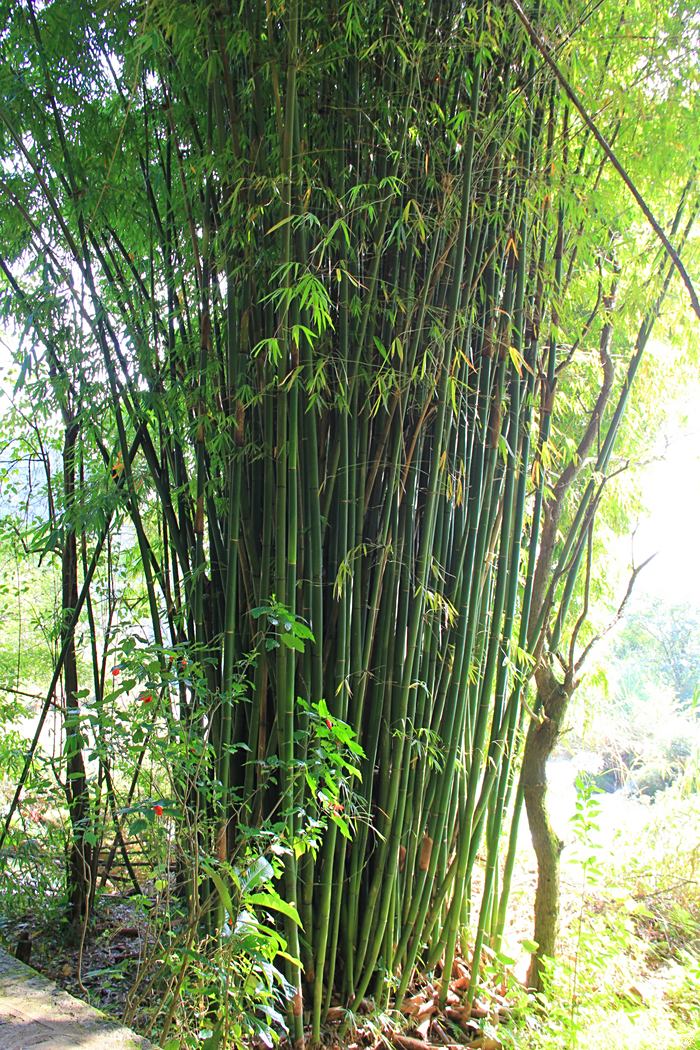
35 1012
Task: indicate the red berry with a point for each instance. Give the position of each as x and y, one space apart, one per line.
116 671
147 699
329 723
158 810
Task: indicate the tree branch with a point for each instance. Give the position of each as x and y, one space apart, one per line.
539 43
618 615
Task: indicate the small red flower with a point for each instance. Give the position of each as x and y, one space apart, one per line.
329 723
158 810
147 699
183 664
116 671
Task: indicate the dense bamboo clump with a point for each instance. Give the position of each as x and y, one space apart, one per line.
323 343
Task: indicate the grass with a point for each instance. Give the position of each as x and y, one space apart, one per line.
628 975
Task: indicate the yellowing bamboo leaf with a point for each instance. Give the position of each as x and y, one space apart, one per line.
518 360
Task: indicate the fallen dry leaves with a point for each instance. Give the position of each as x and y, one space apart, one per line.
430 1024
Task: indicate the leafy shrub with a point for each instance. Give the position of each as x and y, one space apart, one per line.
663 874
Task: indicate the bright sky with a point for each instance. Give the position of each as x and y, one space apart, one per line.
671 490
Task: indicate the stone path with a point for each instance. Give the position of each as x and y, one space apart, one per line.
34 1012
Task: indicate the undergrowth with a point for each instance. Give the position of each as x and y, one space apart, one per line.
628 973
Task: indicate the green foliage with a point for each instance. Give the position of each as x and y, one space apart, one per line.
629 957
31 865
660 644
28 640
324 293
663 877
225 987
228 989
284 627
636 687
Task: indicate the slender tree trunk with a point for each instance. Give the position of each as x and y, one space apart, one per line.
79 852
553 699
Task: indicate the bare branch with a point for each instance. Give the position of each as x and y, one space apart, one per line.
618 615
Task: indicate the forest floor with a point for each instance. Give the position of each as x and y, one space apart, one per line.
102 969
628 977
35 1012
628 972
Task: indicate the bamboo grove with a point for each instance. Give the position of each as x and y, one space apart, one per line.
303 282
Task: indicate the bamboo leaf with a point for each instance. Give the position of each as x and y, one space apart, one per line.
273 902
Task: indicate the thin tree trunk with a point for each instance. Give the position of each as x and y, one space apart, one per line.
553 698
79 859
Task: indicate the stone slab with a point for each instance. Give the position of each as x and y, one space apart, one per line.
35 1012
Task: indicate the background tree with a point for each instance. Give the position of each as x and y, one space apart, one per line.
660 644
